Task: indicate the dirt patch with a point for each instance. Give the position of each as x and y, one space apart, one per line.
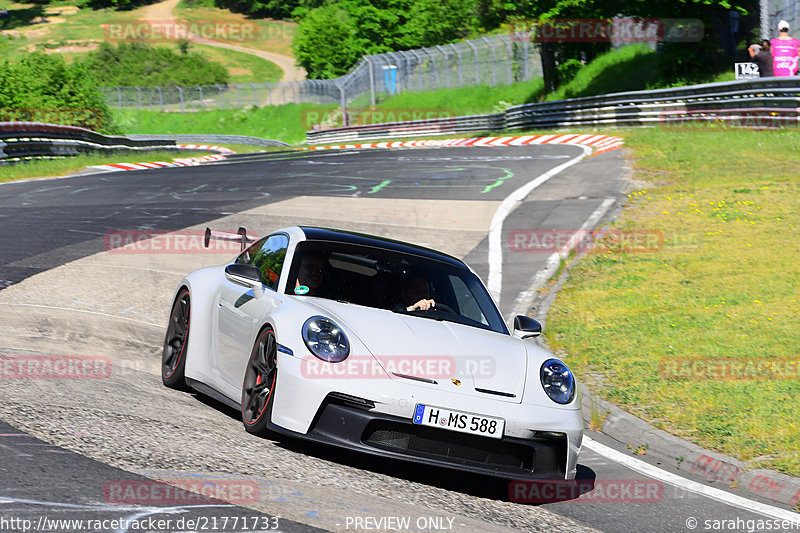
30 34
240 71
61 10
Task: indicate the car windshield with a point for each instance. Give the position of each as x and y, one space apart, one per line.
392 280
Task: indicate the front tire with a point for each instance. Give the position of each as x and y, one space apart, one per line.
173 359
258 389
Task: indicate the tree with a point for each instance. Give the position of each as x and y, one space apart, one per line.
325 42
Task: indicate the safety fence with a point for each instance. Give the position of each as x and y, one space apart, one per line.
495 60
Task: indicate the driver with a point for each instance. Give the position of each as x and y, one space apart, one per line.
416 295
311 274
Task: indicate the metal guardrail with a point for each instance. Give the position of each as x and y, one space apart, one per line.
19 140
434 126
37 139
212 139
762 103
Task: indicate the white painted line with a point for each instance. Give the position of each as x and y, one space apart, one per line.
495 280
689 485
525 298
85 312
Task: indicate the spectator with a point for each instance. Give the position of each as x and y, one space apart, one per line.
785 52
762 56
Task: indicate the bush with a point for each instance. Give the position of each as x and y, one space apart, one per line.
141 65
43 88
568 69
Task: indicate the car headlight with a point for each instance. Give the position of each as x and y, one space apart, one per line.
558 381
325 339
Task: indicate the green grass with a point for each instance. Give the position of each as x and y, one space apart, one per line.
630 68
285 123
84 29
69 165
723 286
243 68
463 100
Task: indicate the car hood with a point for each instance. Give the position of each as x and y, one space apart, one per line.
435 353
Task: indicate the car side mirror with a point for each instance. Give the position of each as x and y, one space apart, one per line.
525 327
247 276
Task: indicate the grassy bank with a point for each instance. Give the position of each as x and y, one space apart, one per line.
656 332
286 123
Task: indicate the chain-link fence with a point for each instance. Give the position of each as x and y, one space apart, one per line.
496 60
773 11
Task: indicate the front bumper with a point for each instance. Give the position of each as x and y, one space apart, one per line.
352 423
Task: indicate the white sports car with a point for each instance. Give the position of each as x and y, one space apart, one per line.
374 345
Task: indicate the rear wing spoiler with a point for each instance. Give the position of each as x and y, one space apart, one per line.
240 236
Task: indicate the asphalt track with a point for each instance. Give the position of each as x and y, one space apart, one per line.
128 426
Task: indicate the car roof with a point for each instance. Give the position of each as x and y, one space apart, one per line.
350 237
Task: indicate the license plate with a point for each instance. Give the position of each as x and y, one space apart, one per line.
429 415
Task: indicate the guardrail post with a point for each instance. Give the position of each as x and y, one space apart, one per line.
477 70
180 97
160 98
238 94
139 96
255 94
119 97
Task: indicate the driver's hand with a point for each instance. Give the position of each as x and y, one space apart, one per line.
422 305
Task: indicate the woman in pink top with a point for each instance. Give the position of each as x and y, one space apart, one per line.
785 52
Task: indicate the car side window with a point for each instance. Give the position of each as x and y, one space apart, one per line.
268 254
467 304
